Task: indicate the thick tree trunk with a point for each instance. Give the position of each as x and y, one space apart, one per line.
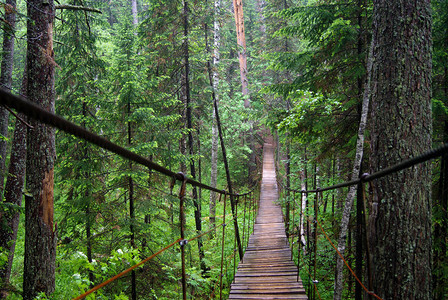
13 195
6 78
215 86
40 235
400 219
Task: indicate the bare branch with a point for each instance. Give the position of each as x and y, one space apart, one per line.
76 7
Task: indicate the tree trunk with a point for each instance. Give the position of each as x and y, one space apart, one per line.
288 187
6 78
303 185
87 194
241 41
13 195
261 4
134 12
441 225
229 184
196 202
131 205
338 282
441 228
400 219
40 235
215 85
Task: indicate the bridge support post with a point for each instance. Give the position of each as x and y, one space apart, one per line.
183 242
222 244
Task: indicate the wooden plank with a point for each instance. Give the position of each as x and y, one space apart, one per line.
267 296
266 270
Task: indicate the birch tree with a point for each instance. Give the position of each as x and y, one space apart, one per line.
215 89
338 283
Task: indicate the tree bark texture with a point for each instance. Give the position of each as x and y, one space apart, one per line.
400 214
241 40
6 78
13 195
215 85
40 235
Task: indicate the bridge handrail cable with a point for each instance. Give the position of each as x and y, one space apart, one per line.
38 113
426 156
32 110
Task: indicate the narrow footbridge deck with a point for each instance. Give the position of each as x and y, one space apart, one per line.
267 271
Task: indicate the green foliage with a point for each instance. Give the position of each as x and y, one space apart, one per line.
301 119
330 61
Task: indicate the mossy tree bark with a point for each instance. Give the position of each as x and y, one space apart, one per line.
9 25
40 235
400 215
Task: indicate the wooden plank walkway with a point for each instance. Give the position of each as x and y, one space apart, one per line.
266 271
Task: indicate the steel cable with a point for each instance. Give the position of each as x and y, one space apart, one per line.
424 157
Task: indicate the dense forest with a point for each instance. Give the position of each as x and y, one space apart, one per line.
344 87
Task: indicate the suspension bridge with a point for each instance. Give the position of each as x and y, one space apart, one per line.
266 271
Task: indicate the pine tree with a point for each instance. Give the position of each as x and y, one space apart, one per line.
400 215
41 235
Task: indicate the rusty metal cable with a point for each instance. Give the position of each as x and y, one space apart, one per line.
36 112
227 259
345 262
312 279
146 260
126 271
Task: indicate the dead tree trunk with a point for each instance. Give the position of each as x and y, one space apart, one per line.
241 40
